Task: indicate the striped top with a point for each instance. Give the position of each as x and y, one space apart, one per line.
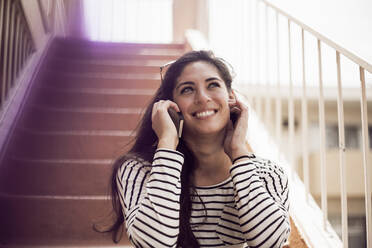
249 209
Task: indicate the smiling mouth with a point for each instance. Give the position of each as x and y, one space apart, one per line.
204 114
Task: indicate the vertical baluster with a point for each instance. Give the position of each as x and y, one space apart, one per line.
323 171
251 48
267 73
367 170
24 47
341 149
278 118
6 50
11 47
29 48
305 135
19 59
290 103
258 57
1 33
16 45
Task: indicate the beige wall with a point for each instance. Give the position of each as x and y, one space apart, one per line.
189 14
354 159
354 173
33 17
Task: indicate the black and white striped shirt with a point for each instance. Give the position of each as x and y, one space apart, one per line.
249 209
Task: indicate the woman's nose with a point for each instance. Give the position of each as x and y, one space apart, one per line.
202 96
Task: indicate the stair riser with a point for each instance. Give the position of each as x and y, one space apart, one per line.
69 146
53 221
79 54
73 67
128 48
115 46
53 178
59 80
78 99
59 121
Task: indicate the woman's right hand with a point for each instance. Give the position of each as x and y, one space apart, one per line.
163 125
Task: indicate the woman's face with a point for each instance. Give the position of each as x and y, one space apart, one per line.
202 97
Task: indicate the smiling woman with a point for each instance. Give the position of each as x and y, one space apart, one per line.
129 20
207 188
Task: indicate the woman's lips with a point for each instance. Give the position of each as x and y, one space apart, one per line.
204 114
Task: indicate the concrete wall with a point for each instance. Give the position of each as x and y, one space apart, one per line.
189 14
34 19
354 157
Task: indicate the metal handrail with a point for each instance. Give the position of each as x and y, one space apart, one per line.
16 44
367 66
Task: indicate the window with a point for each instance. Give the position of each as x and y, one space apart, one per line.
352 137
129 20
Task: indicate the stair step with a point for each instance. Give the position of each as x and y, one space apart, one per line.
122 49
68 42
34 220
98 80
70 144
54 180
117 54
81 66
56 176
42 117
114 98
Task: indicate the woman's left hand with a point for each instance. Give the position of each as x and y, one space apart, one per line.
235 140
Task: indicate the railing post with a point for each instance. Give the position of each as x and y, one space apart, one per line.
367 171
11 48
341 142
305 136
1 31
291 103
258 99
267 73
278 118
4 80
16 53
323 171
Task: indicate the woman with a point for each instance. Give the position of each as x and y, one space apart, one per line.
205 189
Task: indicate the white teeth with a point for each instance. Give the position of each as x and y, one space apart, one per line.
205 113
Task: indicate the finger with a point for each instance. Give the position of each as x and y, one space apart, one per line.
173 105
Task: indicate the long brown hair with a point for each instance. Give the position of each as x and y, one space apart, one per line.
145 144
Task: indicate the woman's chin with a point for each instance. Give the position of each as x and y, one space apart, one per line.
205 131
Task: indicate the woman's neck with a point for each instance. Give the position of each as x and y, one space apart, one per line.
212 163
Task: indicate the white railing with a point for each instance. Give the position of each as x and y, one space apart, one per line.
363 65
275 41
21 51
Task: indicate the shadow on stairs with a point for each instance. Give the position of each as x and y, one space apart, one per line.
80 114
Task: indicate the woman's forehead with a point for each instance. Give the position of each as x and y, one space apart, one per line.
198 70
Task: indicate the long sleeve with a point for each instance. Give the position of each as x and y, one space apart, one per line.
261 196
150 199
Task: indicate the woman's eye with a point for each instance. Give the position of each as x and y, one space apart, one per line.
214 84
186 90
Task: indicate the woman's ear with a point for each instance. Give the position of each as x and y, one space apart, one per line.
232 97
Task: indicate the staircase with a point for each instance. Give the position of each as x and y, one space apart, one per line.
79 116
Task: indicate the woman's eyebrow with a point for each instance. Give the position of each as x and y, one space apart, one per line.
212 79
183 83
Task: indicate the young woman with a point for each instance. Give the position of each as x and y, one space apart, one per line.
205 189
